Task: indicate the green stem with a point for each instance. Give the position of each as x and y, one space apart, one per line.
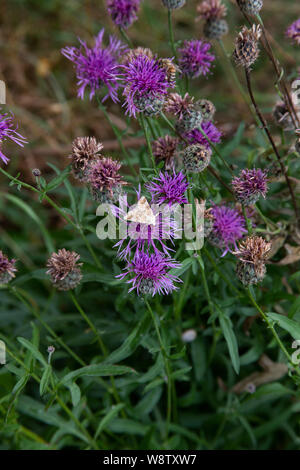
171 34
126 38
167 367
146 132
247 220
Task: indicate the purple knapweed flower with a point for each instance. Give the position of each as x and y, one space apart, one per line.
250 185
149 273
123 12
144 227
97 66
105 180
145 82
196 137
228 227
168 188
9 131
194 58
293 31
7 268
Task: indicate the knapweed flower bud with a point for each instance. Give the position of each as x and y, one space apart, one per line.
196 158
213 12
36 172
252 254
7 269
165 149
149 105
123 12
105 181
178 105
64 270
246 46
250 185
84 151
207 109
250 7
173 4
293 32
189 336
191 119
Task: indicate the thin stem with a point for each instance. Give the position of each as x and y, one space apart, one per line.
265 127
58 209
167 367
90 323
118 137
146 132
126 38
270 325
247 220
171 33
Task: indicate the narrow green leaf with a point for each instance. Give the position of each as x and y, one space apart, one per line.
45 379
291 326
231 341
107 418
33 350
96 370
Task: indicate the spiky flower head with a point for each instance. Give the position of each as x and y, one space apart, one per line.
173 4
215 28
9 131
293 31
229 226
98 66
250 7
7 268
211 9
195 58
104 180
196 158
144 227
168 188
123 12
177 105
250 185
146 84
209 129
252 253
149 273
64 269
84 151
164 149
246 46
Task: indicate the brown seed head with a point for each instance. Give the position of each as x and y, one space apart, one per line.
246 46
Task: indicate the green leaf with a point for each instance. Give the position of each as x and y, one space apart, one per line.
75 393
185 265
96 370
33 350
107 418
231 341
291 326
45 379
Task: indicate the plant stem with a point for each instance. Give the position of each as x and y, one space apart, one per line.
265 127
118 137
171 33
167 367
146 132
247 220
126 38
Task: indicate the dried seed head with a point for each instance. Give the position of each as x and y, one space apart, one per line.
173 4
84 151
178 105
250 185
207 109
250 7
105 181
64 270
196 158
215 28
7 269
164 149
246 46
252 253
211 9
